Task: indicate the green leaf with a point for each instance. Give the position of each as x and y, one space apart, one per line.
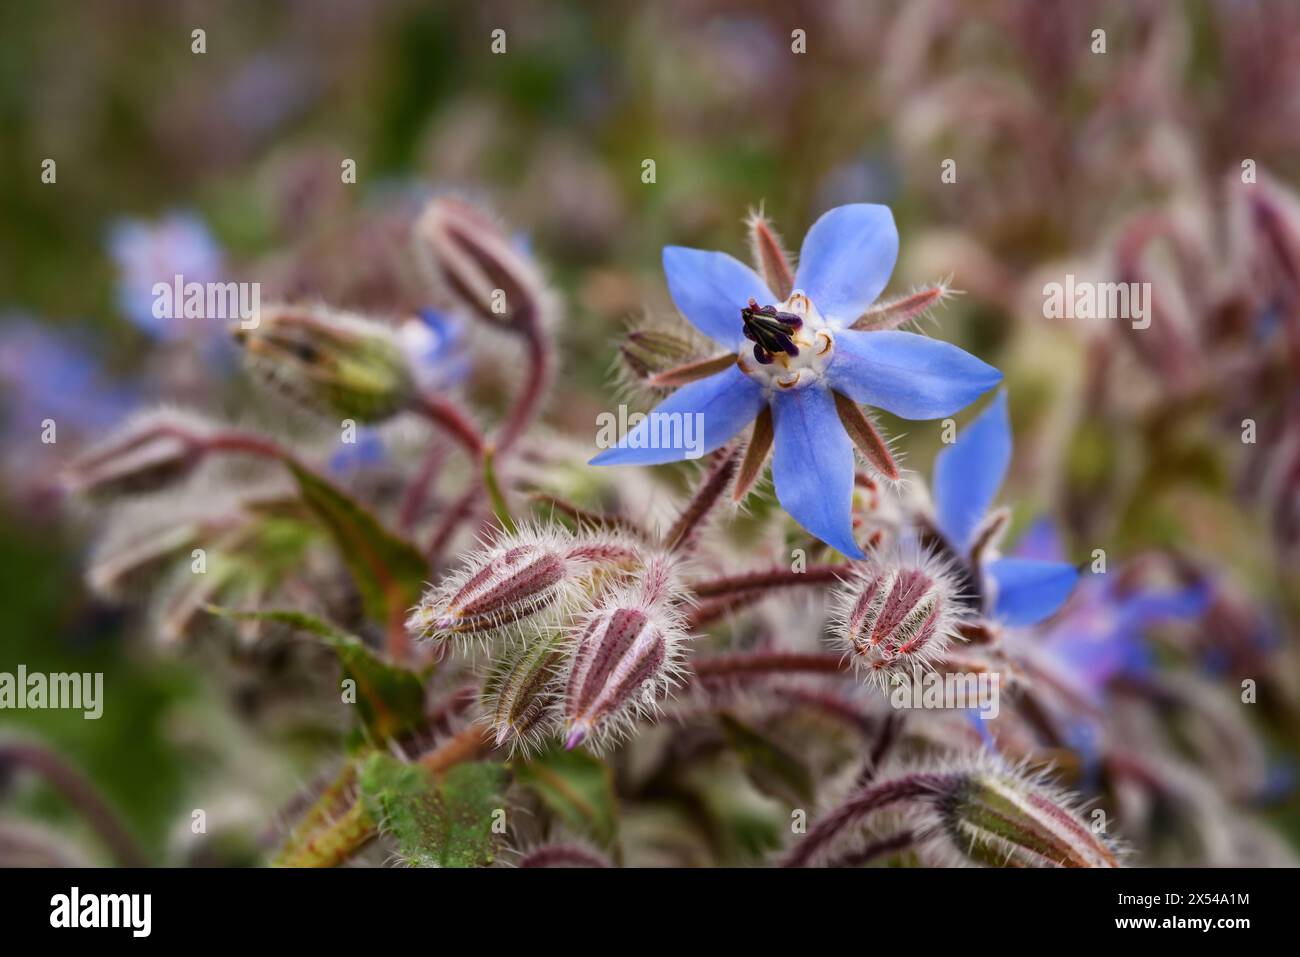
770 768
578 788
435 822
389 571
390 699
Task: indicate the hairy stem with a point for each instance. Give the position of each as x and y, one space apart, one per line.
909 787
706 496
769 578
529 402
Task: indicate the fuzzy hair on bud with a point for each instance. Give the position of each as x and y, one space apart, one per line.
625 656
995 815
898 613
473 260
520 584
332 363
153 450
521 695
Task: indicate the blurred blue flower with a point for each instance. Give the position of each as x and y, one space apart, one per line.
45 374
967 476
434 343
804 351
148 253
366 451
1103 632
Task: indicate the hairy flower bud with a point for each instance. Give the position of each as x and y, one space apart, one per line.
1003 818
896 615
648 352
521 693
625 657
521 582
151 451
332 362
478 265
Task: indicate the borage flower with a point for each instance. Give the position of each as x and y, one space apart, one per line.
801 361
967 476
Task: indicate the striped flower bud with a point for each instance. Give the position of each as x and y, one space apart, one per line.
479 267
1000 817
331 362
150 452
521 694
648 352
521 583
898 614
625 657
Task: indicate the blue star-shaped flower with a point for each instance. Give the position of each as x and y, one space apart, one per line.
967 476
796 355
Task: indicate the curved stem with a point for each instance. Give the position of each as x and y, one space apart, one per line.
529 402
78 791
449 417
885 794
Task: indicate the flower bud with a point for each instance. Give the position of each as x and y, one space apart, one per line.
649 352
1003 818
150 452
521 693
522 581
625 657
478 265
331 362
898 616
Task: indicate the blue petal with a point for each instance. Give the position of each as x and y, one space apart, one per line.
711 288
968 474
1028 590
912 376
1148 606
727 401
846 260
1042 541
812 466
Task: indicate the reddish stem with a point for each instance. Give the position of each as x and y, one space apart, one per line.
907 788
78 791
449 417
715 482
529 402
769 578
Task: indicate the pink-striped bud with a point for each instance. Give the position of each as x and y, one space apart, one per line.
151 451
478 266
625 658
521 584
897 616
